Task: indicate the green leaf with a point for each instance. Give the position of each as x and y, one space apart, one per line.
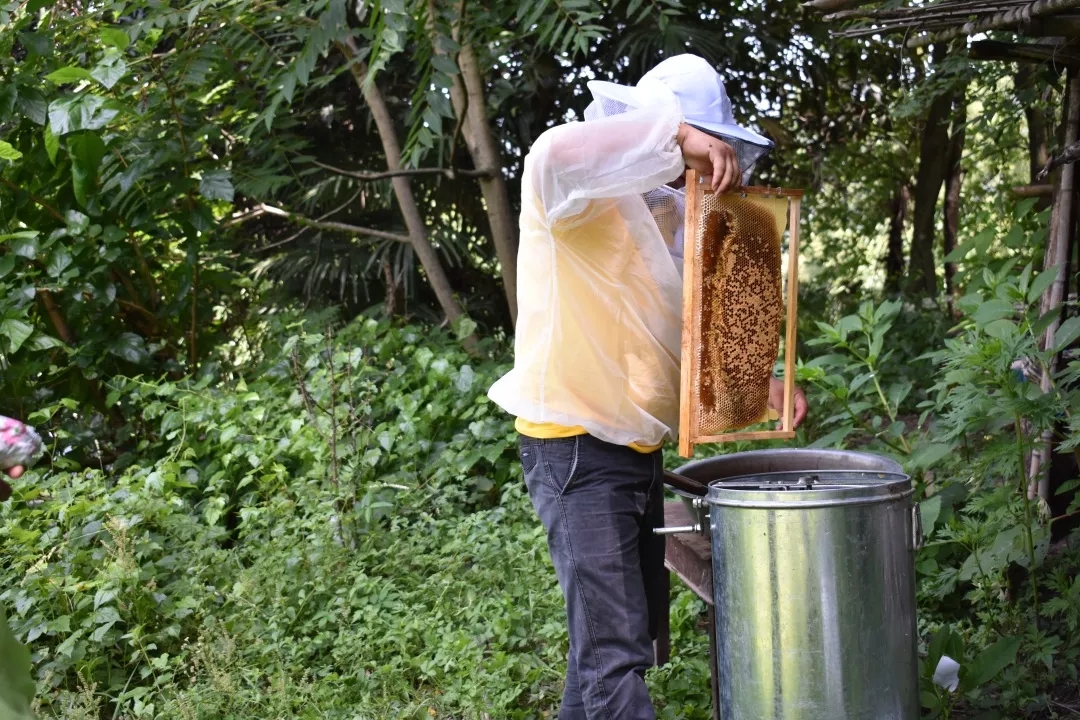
989 663
16 681
1041 284
444 64
86 150
216 185
929 510
69 74
110 69
59 261
833 439
7 264
52 144
31 103
1066 333
927 455
16 331
1001 329
7 152
44 342
79 112
114 37
130 347
992 310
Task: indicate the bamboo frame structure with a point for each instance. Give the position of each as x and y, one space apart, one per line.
690 406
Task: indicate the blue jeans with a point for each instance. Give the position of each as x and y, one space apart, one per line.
599 504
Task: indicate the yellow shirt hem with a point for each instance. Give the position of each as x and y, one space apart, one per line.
551 431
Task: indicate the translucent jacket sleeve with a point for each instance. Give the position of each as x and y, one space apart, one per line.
630 153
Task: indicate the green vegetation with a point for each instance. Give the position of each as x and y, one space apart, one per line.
274 487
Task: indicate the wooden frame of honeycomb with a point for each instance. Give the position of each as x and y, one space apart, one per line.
733 243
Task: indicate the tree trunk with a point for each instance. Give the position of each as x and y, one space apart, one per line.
954 176
414 222
484 149
894 261
470 107
931 174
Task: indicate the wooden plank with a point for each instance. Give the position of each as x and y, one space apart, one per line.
688 555
746 436
794 217
758 190
691 292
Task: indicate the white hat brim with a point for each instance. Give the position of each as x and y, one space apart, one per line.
734 131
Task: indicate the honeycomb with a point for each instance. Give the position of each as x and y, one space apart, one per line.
738 248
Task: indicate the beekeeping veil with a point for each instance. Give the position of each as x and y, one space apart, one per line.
692 83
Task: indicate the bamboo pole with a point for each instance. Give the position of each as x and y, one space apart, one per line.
1007 19
1057 247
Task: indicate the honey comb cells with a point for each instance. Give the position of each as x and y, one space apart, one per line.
736 302
741 309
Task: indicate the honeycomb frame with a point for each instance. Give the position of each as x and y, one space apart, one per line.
694 268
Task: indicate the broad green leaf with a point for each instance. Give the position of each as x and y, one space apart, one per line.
929 510
114 37
7 264
68 74
989 663
1041 284
59 262
833 439
216 185
31 103
79 112
9 153
110 69
130 347
16 680
1066 333
444 64
52 144
17 332
87 150
43 342
927 455
1001 329
992 310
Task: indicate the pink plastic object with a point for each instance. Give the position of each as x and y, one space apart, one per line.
19 444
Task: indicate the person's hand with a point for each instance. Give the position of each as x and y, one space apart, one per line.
776 401
714 159
14 472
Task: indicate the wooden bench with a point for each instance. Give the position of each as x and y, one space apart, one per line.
688 555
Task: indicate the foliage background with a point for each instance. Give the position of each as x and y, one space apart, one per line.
254 285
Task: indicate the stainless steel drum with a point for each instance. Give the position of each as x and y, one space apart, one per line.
814 590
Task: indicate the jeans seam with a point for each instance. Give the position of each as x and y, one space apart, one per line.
585 606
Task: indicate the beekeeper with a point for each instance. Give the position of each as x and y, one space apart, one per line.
595 383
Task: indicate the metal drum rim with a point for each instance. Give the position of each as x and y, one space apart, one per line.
894 486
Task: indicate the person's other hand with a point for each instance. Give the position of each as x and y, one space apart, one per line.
714 159
776 401
14 472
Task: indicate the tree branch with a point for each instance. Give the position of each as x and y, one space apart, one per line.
264 209
405 172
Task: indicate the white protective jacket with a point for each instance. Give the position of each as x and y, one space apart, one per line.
599 293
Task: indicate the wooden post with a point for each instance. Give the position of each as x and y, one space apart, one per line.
1058 241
